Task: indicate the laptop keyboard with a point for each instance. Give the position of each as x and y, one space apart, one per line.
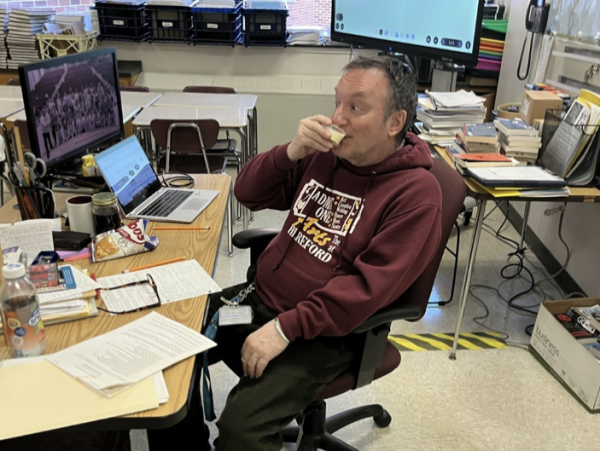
165 204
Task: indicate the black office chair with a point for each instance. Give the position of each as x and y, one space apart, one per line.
378 356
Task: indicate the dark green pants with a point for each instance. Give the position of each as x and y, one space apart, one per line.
258 409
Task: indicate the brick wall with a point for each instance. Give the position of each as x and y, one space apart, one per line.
310 12
60 6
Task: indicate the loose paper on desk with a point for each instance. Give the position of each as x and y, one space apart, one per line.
175 282
31 236
130 353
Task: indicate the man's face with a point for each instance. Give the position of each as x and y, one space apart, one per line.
361 100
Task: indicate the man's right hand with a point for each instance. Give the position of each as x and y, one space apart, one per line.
312 136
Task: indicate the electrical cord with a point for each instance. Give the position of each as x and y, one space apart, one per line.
519 76
181 180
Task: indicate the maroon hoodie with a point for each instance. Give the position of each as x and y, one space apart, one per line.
355 238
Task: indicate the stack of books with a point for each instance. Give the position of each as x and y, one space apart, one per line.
479 138
518 139
442 114
23 26
3 29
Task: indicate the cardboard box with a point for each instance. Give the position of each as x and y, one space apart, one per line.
535 104
567 359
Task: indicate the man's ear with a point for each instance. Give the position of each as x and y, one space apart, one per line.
395 122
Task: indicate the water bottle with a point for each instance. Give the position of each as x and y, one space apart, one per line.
24 331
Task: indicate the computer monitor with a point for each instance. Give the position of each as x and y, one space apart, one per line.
436 29
73 105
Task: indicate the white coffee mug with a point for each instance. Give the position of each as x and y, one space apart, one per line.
79 210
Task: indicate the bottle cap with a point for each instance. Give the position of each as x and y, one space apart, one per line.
104 199
13 271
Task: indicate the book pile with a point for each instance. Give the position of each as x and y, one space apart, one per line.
66 301
23 26
443 114
3 29
573 150
518 139
583 323
479 138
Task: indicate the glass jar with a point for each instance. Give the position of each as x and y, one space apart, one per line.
105 211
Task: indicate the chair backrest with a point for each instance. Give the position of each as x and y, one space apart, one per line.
210 89
23 133
185 140
135 88
14 82
453 195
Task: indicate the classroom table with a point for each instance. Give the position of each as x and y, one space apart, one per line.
200 245
11 93
577 194
246 102
141 99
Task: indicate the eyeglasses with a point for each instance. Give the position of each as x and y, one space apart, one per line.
149 280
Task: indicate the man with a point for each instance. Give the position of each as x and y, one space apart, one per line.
364 223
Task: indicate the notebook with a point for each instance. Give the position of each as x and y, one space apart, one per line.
128 173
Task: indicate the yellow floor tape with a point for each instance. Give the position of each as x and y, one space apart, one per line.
443 341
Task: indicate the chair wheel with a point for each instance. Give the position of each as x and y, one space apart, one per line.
383 420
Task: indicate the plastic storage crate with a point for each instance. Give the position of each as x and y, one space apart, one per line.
265 26
217 25
53 45
169 23
122 22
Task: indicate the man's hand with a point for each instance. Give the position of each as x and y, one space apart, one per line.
260 348
311 136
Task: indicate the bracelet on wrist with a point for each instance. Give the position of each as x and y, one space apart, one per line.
280 331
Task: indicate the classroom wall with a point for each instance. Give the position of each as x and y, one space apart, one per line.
291 83
580 227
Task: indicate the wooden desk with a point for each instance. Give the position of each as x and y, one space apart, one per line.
200 245
482 197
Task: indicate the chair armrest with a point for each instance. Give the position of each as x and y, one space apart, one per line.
388 314
247 238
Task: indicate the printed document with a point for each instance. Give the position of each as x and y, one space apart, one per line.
175 282
111 362
31 236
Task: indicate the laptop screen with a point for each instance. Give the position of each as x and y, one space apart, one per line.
128 173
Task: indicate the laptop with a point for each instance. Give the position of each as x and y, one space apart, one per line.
128 173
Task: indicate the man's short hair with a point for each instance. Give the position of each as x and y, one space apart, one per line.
402 93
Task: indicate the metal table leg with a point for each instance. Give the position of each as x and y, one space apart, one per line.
524 227
464 294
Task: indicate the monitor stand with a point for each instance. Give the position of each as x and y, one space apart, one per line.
71 168
444 76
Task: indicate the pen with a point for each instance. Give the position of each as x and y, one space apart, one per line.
152 265
181 228
96 280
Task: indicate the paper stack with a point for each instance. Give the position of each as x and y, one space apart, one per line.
95 23
306 35
23 26
518 139
146 346
444 113
3 29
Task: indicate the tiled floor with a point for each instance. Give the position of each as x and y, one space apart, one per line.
485 400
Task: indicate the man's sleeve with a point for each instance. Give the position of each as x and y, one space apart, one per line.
395 257
269 180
